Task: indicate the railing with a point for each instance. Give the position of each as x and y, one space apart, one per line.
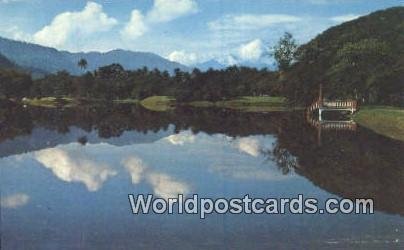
348 104
331 125
314 106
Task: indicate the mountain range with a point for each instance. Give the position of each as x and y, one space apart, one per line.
41 59
5 63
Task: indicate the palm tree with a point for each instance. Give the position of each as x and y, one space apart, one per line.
82 63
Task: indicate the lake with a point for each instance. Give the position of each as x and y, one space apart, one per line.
66 175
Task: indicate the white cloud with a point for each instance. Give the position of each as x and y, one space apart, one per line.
167 10
69 27
251 22
136 27
252 51
75 166
11 1
344 18
183 57
14 32
162 11
229 60
14 201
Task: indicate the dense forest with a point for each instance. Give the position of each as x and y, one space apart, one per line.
361 59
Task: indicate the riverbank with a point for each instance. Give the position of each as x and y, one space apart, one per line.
247 104
50 102
165 103
385 120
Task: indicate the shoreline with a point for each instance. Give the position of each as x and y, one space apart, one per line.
385 120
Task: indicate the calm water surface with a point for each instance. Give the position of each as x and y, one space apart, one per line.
66 175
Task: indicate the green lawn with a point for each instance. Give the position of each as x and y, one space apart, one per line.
385 120
165 103
248 104
158 103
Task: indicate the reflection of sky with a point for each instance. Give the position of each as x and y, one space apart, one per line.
14 200
160 164
80 192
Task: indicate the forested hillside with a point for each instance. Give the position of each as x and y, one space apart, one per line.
362 59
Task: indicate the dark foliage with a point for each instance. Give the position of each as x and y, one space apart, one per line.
114 82
360 59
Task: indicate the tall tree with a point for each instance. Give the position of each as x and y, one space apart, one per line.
284 51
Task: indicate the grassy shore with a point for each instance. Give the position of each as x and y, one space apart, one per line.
49 102
158 103
126 101
53 102
165 103
247 104
385 120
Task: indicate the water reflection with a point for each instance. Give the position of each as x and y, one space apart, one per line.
163 185
73 164
47 171
14 200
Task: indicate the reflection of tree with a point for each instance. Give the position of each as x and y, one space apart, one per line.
82 140
113 120
14 121
285 161
351 165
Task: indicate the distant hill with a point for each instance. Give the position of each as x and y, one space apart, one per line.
45 59
5 63
362 58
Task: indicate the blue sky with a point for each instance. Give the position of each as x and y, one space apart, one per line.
188 31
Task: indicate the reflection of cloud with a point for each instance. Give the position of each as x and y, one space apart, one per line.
163 185
136 168
245 172
181 138
14 201
250 146
74 166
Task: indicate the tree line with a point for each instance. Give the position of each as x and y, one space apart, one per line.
113 82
